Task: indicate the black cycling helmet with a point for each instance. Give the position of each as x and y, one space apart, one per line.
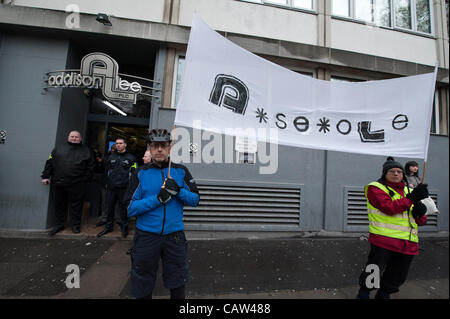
158 135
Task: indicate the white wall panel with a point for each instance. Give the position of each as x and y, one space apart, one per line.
376 41
252 19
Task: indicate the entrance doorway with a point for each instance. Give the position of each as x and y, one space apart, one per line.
101 136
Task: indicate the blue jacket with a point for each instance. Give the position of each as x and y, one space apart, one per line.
144 187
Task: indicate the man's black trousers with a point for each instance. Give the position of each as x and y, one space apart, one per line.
71 197
393 268
112 196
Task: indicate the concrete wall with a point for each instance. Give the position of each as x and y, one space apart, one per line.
74 105
132 9
251 19
30 119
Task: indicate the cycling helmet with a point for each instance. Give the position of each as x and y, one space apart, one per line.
158 135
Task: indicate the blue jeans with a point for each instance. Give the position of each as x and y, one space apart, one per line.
147 249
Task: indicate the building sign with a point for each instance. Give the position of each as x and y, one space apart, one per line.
97 71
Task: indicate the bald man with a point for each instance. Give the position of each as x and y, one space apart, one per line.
67 169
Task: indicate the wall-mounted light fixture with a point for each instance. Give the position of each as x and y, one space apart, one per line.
103 18
115 108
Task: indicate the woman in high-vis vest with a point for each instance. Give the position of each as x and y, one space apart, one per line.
394 213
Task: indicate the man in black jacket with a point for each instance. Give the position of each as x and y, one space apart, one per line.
68 168
119 167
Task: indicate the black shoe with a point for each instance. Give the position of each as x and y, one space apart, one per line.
76 229
104 231
363 294
381 294
55 230
100 223
124 232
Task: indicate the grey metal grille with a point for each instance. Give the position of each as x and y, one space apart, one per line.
356 210
231 207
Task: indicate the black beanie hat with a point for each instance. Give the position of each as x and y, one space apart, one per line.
391 163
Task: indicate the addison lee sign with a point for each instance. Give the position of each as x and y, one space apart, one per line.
99 71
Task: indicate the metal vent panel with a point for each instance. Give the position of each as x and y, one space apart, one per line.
355 207
245 207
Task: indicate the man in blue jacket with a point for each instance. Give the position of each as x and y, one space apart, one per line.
157 201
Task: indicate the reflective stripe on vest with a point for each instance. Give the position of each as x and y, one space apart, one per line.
401 226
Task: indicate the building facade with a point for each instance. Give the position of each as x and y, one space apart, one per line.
47 88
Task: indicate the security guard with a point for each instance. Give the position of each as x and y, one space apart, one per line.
119 167
394 212
68 168
157 201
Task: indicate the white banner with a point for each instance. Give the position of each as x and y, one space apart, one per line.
227 88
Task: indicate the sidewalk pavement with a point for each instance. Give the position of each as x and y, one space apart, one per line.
34 266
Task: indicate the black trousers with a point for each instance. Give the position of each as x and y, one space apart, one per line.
393 266
71 197
112 196
148 249
94 196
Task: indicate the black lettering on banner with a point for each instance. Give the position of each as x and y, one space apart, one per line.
261 115
301 123
349 127
324 125
278 118
400 122
367 136
230 92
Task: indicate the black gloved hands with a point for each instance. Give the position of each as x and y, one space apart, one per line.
172 187
418 193
419 210
164 196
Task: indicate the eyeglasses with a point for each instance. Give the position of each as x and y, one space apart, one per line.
395 171
156 145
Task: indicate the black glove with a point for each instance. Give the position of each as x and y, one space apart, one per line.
418 193
164 196
419 210
172 187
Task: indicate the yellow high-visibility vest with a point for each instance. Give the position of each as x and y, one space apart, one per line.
401 226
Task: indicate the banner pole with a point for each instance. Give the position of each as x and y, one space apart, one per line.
170 152
423 172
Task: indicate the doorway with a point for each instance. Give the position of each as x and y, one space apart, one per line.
101 136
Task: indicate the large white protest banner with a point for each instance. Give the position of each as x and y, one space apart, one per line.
227 88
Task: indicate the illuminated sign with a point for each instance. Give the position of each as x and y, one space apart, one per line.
99 71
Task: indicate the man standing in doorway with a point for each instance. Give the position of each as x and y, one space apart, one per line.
68 168
119 167
157 201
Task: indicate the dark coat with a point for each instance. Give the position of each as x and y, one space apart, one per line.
69 164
